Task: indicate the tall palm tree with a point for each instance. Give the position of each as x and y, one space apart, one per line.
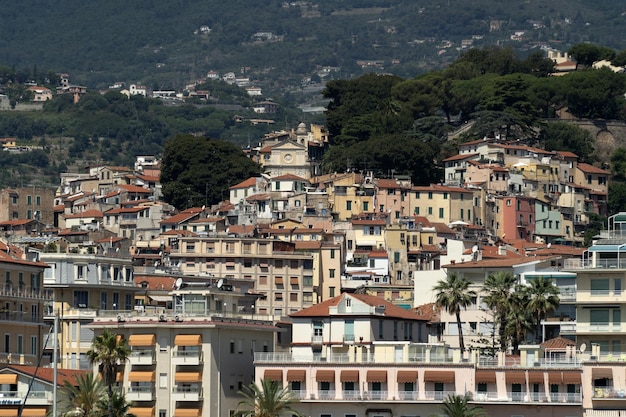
121 408
453 294
85 395
109 352
499 288
458 406
268 400
544 299
519 318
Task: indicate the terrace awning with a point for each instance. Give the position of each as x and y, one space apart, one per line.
142 340
407 377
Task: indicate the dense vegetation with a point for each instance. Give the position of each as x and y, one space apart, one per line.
159 42
199 171
384 123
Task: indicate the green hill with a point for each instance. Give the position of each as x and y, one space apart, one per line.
167 43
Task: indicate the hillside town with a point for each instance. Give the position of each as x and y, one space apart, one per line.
325 283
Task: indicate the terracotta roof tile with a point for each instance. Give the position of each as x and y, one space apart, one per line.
249 183
47 374
391 310
590 169
557 343
85 214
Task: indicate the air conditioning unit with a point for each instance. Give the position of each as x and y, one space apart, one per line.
178 318
162 317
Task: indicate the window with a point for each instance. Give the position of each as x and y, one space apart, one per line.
307 280
332 254
481 387
81 299
307 297
38 200
293 296
331 291
33 345
396 257
348 205
445 196
441 212
366 205
600 286
331 273
29 200
430 195
599 317
430 211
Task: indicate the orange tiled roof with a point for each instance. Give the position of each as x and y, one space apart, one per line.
155 283
47 374
250 182
135 189
308 245
590 169
289 177
391 310
557 343
461 156
85 214
241 229
427 312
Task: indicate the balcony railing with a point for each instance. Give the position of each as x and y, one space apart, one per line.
438 395
608 393
408 395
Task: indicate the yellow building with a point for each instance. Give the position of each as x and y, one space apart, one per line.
442 204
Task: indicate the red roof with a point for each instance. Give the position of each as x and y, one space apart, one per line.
249 183
258 197
441 188
241 229
135 189
427 312
385 183
155 283
557 343
47 374
590 169
84 214
391 310
461 156
289 177
188 233
179 218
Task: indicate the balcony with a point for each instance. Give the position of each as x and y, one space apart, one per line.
184 393
140 393
141 357
437 395
17 397
408 395
375 395
608 393
187 357
598 328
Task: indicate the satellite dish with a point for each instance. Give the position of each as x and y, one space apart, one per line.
156 263
583 347
178 283
220 283
474 248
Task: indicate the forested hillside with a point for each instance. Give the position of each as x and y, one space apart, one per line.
165 43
